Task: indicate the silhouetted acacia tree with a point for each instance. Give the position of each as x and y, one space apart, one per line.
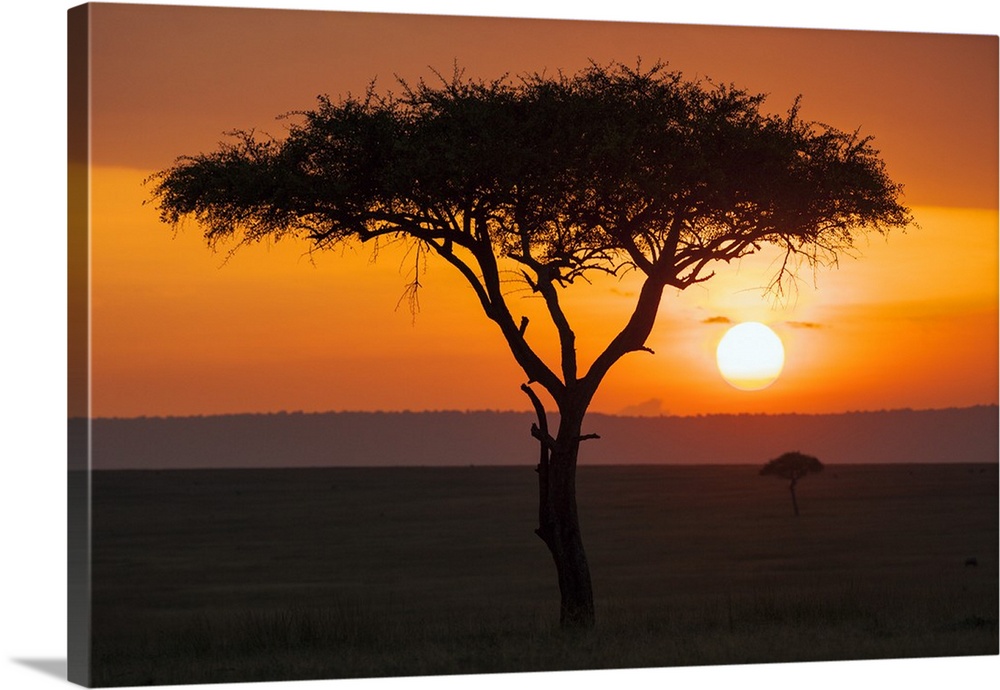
792 466
558 178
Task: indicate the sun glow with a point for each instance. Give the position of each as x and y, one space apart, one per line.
750 356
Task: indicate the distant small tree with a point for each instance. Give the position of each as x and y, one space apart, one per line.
792 466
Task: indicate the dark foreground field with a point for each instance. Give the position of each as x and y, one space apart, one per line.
232 575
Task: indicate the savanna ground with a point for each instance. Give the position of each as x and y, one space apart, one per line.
233 575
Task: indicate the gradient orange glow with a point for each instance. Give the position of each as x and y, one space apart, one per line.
178 329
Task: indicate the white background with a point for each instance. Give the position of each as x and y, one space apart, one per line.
33 333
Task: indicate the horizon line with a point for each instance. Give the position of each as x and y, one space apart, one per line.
663 415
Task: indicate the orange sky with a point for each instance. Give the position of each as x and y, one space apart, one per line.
913 323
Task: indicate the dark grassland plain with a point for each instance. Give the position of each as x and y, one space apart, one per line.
276 574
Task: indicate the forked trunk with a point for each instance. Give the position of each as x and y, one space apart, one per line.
558 523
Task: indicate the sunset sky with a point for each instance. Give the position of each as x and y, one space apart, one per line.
180 330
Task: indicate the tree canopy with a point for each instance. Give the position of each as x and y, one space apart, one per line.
792 466
610 169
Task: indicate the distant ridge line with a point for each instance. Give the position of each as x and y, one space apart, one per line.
450 438
700 415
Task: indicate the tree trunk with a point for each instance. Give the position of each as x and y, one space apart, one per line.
559 528
795 503
558 522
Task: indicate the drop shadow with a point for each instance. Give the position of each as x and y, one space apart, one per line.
50 667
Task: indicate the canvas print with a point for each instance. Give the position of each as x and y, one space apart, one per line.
411 345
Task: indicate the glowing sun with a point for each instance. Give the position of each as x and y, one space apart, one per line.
750 356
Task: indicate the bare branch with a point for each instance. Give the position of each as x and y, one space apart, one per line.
412 289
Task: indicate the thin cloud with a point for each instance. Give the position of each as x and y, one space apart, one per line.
649 408
718 319
803 324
